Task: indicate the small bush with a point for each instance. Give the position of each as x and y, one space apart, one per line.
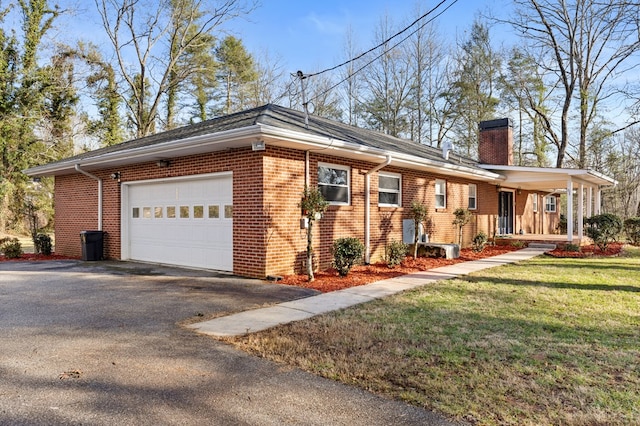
572 247
603 229
11 248
396 252
347 252
42 243
480 241
632 230
518 244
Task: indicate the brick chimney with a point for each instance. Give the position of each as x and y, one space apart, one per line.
496 142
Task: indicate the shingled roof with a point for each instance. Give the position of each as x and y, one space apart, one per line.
282 118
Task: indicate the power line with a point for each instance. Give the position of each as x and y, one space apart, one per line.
386 41
380 45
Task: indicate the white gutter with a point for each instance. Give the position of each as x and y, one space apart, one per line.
367 208
78 169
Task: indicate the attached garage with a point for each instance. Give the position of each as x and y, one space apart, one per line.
179 221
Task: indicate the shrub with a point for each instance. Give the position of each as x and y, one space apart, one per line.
42 243
632 230
603 229
518 244
462 217
572 247
480 241
11 248
396 252
347 252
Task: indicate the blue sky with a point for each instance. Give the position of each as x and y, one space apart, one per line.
310 36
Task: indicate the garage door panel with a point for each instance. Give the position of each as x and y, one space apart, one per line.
196 240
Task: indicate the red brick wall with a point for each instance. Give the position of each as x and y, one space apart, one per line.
267 187
496 143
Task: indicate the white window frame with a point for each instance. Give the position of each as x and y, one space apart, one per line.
389 190
348 184
473 197
550 207
441 189
535 202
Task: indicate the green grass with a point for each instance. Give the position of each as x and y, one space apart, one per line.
547 341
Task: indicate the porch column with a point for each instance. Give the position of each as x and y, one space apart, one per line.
598 201
580 210
589 201
570 210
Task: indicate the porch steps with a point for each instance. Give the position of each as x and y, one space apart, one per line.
545 246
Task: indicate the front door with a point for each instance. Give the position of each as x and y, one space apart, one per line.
505 213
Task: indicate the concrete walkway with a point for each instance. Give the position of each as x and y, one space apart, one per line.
260 319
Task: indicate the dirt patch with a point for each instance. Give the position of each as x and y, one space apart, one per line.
329 280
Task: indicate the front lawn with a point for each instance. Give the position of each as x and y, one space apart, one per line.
547 341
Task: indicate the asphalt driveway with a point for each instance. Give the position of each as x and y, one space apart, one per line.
100 344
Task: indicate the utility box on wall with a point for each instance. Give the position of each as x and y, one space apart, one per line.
408 231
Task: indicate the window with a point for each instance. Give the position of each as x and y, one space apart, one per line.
184 212
441 194
135 213
198 212
550 204
146 212
535 202
228 212
171 212
333 183
473 196
389 189
214 212
157 212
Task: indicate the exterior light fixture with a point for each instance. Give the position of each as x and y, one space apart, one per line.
163 163
115 176
258 146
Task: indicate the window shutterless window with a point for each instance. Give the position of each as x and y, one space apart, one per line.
441 194
550 204
334 182
473 196
535 202
389 189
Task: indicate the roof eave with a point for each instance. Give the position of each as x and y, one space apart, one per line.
309 142
227 139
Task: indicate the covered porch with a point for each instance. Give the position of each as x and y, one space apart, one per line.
583 190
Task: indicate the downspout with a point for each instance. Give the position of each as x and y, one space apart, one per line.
78 169
367 208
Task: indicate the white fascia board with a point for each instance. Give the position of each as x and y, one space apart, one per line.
305 141
587 175
234 137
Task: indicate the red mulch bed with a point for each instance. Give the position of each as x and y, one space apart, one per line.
329 280
36 257
613 249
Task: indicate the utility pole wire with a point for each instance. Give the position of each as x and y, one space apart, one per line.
389 39
381 54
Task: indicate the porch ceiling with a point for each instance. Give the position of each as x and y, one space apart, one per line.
548 179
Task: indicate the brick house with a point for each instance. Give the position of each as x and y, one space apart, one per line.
223 194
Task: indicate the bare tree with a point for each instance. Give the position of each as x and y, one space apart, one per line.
584 45
389 83
148 44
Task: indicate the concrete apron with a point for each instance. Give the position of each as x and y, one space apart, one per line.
261 319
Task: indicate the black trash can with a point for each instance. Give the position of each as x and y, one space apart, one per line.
92 244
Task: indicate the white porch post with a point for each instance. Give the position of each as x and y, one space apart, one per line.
580 211
589 201
570 210
598 201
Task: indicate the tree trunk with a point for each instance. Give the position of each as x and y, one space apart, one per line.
310 251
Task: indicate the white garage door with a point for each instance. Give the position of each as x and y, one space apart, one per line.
185 222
